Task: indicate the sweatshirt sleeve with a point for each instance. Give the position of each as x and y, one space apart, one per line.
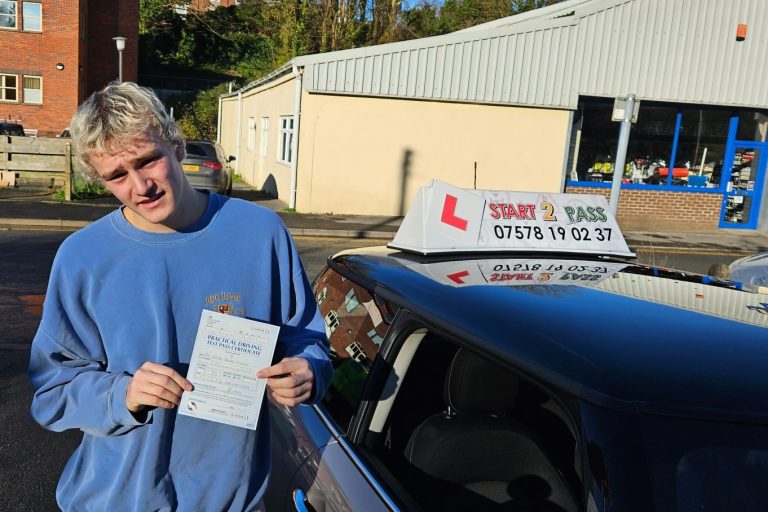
73 391
302 332
68 366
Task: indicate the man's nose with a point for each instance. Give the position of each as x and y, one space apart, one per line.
142 184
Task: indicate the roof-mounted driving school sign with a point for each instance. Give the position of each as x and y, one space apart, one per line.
444 219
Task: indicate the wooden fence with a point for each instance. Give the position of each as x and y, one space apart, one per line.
38 160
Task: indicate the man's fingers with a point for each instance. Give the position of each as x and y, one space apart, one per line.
287 365
155 385
290 401
161 381
288 381
291 391
155 401
168 372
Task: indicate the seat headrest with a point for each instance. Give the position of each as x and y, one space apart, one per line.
475 385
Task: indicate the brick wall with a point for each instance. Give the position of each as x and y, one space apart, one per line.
36 54
89 63
662 210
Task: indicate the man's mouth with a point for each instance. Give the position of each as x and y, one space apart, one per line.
151 200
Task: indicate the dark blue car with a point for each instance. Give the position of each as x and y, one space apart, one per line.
605 386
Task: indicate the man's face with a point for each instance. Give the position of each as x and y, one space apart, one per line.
146 176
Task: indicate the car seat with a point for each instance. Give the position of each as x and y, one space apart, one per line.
475 456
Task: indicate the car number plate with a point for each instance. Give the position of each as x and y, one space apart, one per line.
190 168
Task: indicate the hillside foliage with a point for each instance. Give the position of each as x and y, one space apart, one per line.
254 38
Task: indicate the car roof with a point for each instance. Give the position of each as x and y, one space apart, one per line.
643 338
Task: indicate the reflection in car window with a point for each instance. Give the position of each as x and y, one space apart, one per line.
356 325
195 150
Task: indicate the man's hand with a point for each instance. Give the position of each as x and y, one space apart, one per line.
290 380
155 385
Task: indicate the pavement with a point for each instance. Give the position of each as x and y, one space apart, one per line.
35 209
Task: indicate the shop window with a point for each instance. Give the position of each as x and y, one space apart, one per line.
286 139
33 89
8 14
8 88
696 136
752 126
32 17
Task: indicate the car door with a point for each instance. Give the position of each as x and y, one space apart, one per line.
314 467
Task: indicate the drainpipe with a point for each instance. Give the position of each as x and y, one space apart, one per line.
239 130
298 73
218 124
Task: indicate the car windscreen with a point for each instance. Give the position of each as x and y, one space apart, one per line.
715 466
198 150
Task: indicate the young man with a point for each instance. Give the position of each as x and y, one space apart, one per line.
121 314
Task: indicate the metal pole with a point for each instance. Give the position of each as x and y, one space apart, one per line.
120 65
621 152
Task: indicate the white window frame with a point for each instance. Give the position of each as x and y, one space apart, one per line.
24 17
264 136
284 149
251 144
332 321
3 88
24 89
15 14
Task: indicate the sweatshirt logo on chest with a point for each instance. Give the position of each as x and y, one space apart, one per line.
227 303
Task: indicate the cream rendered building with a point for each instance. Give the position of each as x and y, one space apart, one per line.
367 155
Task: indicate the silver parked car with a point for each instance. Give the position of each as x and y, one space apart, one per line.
206 166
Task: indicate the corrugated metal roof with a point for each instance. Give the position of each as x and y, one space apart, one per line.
666 50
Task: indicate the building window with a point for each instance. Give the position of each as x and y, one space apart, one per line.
251 134
264 135
33 89
286 139
332 321
7 14
350 301
8 85
32 16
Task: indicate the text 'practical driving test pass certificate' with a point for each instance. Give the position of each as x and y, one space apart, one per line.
228 352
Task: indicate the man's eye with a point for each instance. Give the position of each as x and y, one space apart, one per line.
116 177
149 161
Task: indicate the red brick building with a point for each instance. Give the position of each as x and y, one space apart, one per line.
56 53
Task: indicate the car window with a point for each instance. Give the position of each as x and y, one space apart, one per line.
197 150
356 324
13 130
461 446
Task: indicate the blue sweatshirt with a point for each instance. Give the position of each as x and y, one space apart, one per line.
118 297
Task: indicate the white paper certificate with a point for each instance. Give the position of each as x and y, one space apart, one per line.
228 352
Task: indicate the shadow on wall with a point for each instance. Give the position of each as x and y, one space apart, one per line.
270 186
405 171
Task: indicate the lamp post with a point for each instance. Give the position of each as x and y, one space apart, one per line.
120 43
